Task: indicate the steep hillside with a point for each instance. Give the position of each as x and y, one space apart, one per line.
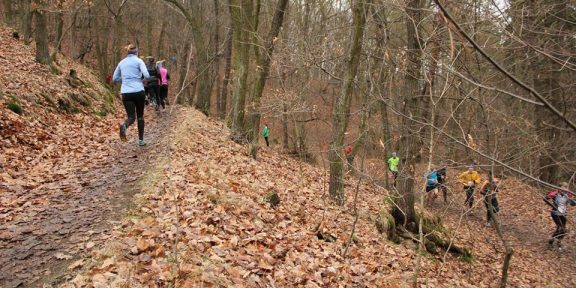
59 161
203 219
36 103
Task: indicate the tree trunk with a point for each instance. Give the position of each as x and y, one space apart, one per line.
26 21
223 97
264 61
239 9
301 143
182 99
541 19
8 12
117 41
285 134
159 48
217 56
101 47
404 213
59 29
41 36
364 116
342 106
203 67
547 83
384 81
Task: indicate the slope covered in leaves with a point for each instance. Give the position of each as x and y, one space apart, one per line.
43 99
59 161
203 219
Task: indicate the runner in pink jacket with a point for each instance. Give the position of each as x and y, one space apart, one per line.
164 78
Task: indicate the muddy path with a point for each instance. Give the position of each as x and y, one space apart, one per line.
62 219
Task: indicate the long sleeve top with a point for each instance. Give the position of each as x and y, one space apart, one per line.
393 163
130 71
164 76
561 202
469 176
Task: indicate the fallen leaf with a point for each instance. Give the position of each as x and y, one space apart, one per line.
62 256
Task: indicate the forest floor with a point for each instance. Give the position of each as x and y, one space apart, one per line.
208 191
79 208
50 215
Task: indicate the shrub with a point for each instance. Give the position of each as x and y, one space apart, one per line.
15 107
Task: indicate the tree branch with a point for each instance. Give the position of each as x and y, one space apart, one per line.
503 70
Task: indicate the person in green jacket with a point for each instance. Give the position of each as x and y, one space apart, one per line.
393 166
266 133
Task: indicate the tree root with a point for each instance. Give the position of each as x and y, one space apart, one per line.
432 228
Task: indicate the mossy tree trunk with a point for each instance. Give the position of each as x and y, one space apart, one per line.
217 55
410 142
223 96
203 66
8 12
239 10
341 112
41 35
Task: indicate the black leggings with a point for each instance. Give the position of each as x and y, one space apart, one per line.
469 196
134 105
560 222
495 207
154 91
164 94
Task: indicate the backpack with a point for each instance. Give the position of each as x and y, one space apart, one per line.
432 178
154 75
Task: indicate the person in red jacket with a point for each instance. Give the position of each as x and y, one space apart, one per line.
349 156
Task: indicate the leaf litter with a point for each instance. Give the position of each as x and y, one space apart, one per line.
206 222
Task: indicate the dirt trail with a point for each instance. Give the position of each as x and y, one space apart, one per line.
63 218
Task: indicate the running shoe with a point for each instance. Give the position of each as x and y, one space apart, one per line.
141 143
123 133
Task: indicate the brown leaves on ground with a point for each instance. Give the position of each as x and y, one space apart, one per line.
62 168
223 232
206 221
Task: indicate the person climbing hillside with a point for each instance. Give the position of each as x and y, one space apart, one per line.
490 187
164 78
431 186
442 180
266 134
393 166
130 72
349 156
469 179
153 82
560 201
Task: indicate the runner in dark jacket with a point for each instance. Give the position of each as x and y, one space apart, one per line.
153 85
560 201
490 188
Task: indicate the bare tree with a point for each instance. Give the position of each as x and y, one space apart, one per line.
342 105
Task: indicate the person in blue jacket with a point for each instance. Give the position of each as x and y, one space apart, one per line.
130 72
431 186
